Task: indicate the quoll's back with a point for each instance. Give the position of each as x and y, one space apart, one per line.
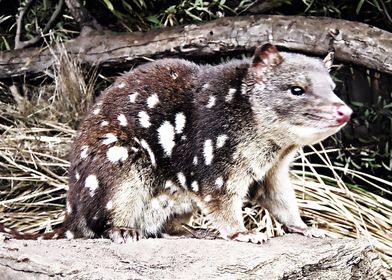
171 136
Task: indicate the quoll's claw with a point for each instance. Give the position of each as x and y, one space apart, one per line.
250 236
122 235
315 232
307 231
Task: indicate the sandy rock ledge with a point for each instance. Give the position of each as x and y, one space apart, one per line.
288 257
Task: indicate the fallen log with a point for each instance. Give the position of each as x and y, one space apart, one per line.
287 257
354 42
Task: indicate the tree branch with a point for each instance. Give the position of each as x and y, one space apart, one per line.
22 44
288 257
82 16
355 42
19 23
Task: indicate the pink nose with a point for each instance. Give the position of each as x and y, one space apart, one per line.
343 113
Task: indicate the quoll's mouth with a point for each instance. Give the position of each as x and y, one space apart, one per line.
339 116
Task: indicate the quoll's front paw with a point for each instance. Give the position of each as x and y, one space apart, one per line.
123 235
306 231
250 236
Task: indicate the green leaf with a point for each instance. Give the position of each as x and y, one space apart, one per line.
4 18
359 6
309 4
128 7
7 46
153 19
109 5
193 16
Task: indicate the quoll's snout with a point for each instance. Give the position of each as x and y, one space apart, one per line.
343 113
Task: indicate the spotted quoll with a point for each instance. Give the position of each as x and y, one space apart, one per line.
172 136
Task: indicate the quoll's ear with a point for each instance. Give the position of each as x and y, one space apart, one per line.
328 60
267 55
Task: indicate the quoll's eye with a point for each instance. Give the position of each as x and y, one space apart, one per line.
297 90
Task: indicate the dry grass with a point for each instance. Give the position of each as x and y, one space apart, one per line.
36 134
35 141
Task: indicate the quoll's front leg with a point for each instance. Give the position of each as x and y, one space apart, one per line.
279 199
226 215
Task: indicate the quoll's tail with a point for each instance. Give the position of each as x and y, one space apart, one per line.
14 234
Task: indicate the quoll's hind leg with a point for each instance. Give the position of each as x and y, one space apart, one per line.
134 213
178 227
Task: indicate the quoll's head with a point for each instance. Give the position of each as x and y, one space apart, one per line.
295 93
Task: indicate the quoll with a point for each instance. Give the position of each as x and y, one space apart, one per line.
172 136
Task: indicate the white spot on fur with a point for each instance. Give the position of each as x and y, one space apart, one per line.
77 176
208 151
69 208
152 101
166 137
134 149
149 151
122 119
169 185
117 153
121 85
195 186
133 96
211 102
104 123
55 236
109 205
155 204
205 86
181 179
7 229
180 122
243 89
109 139
220 141
96 111
183 137
136 140
174 75
83 152
230 94
40 238
69 234
207 198
91 183
195 160
144 119
219 182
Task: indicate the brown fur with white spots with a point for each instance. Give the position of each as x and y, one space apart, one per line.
171 136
